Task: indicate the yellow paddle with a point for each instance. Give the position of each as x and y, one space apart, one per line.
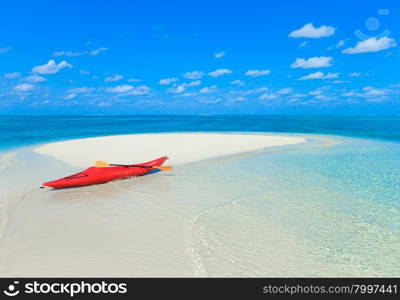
103 164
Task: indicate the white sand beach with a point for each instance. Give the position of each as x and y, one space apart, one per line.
180 147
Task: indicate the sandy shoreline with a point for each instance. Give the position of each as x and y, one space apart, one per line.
180 147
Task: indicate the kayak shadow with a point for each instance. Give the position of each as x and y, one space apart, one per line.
154 189
85 186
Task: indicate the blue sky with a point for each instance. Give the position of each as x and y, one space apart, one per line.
199 57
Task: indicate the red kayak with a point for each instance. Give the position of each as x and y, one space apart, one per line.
95 175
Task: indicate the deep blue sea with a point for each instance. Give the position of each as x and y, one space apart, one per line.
16 131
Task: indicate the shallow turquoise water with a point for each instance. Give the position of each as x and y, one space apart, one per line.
313 211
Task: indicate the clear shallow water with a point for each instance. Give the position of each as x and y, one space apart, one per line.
327 208
319 211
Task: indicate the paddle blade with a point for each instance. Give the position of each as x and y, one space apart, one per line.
164 168
101 164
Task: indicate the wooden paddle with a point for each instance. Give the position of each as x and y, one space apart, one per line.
103 164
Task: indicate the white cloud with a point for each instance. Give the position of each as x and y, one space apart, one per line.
70 96
97 51
177 90
113 78
137 91
256 73
51 67
320 75
4 50
189 94
193 83
241 98
319 93
23 87
371 45
252 91
316 92
133 80
340 44
285 91
208 100
120 89
370 91
288 95
350 94
238 82
323 97
167 81
303 44
129 90
268 97
355 74
81 90
193 75
341 81
86 52
219 54
104 104
220 72
299 95
309 31
312 62
209 89
12 75
84 72
34 78
261 89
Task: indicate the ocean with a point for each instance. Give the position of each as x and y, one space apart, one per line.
329 207
16 131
